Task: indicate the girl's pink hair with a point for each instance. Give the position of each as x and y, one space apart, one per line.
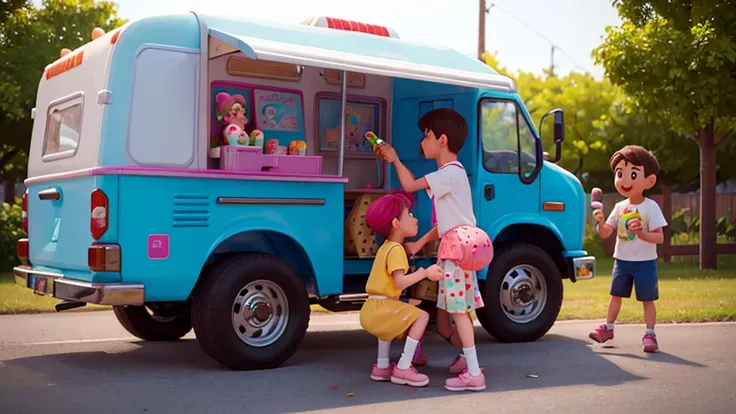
383 211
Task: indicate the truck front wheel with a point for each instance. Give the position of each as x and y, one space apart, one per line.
522 294
251 311
153 326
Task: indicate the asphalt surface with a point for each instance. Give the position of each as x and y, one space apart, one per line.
87 363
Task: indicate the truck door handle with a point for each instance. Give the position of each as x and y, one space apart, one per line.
489 191
49 194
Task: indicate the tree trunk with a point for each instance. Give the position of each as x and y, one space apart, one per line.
667 212
9 191
708 253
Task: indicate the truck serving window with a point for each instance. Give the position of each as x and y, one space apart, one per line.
507 139
63 128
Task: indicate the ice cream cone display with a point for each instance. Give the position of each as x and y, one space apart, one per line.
271 146
298 148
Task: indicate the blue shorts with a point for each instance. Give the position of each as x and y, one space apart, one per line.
628 274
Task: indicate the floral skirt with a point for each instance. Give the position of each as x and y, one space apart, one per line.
458 290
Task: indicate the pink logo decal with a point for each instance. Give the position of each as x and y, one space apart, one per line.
158 246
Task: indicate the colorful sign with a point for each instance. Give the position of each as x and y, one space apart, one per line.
276 110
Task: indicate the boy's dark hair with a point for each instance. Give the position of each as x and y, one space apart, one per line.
448 122
639 156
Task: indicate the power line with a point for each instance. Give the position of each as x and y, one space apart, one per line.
538 33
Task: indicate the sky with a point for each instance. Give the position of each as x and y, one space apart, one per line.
574 26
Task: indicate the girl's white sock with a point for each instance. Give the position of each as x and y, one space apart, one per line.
384 349
410 346
472 360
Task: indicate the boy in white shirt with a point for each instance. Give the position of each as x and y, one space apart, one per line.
445 132
637 222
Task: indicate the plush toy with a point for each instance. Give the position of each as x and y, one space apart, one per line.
257 138
231 110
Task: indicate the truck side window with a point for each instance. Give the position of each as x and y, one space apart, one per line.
163 110
63 127
504 132
500 138
527 144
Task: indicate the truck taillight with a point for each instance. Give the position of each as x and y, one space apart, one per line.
24 214
99 210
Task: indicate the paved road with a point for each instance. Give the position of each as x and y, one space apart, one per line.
86 363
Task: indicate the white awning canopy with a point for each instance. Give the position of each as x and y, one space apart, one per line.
224 42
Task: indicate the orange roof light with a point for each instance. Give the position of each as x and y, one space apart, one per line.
97 32
70 61
115 35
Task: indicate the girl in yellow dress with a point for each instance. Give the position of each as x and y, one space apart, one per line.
383 314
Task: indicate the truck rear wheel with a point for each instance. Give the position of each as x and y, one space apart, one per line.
251 311
522 294
150 326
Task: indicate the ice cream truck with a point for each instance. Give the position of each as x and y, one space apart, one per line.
212 173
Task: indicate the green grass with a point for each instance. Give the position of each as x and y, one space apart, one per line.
687 294
16 299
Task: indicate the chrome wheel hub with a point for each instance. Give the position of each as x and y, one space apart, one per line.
260 313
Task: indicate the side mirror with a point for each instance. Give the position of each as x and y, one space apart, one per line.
558 131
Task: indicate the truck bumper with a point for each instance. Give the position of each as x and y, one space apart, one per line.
56 285
582 268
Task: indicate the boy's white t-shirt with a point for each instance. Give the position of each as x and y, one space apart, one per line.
449 189
628 246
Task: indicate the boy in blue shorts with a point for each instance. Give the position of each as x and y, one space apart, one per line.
637 222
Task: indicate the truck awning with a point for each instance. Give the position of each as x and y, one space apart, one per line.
354 52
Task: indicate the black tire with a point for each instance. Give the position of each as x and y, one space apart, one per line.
492 316
213 308
140 323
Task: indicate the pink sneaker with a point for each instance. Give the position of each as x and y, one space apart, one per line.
649 343
458 365
465 381
601 334
409 376
382 374
419 359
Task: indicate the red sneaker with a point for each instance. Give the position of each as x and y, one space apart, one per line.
649 343
601 334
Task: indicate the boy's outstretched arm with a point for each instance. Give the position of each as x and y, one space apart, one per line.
406 178
413 247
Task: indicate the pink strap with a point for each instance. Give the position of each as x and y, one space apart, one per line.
455 163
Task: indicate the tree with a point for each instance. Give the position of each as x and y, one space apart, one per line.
677 60
679 164
30 39
586 102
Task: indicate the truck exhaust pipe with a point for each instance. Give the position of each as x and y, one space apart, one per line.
68 304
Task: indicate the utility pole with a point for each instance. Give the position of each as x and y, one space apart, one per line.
552 61
482 30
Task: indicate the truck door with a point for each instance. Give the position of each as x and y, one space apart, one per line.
507 186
